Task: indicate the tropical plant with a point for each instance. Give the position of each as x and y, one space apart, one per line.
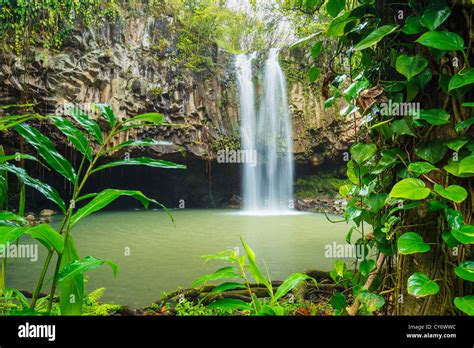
70 267
403 71
242 267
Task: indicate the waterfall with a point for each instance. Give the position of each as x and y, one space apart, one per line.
268 185
247 126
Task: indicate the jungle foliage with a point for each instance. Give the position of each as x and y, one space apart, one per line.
93 143
403 70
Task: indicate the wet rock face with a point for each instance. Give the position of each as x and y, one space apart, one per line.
132 66
124 66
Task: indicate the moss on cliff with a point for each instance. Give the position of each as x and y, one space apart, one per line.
311 186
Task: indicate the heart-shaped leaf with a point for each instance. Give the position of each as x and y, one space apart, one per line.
334 7
419 168
442 40
465 270
370 301
461 79
431 151
411 243
435 117
410 66
464 234
433 18
361 152
410 188
454 193
465 304
412 25
420 285
375 36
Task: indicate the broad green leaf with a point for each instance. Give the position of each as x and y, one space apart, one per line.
454 193
449 239
461 79
412 25
442 40
457 144
453 169
349 234
89 125
290 283
107 112
222 273
464 124
316 49
419 168
465 270
46 149
105 198
253 268
229 304
465 304
366 267
227 286
422 79
402 127
354 89
421 285
464 234
48 236
152 117
435 205
226 255
144 161
74 135
345 189
435 117
9 234
83 265
375 36
388 160
329 102
337 25
9 216
411 243
375 202
468 104
454 218
334 7
466 166
340 267
412 90
431 151
71 289
338 301
49 192
370 301
363 152
410 188
409 66
16 157
313 73
433 18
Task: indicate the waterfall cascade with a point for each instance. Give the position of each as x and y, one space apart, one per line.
268 183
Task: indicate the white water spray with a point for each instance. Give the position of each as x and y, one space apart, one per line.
268 186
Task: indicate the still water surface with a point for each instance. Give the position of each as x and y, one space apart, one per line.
164 256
